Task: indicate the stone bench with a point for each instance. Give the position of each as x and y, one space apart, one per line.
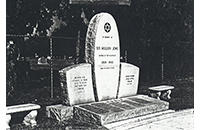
29 119
161 92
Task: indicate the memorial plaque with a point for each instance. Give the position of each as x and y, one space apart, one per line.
113 110
103 52
129 77
76 84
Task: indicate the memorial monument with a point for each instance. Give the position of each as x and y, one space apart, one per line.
102 52
102 90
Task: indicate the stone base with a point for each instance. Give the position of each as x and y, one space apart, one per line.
164 120
60 112
139 121
109 111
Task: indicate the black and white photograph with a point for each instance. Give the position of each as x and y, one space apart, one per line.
99 65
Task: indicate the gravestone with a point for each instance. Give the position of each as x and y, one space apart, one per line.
113 110
76 84
104 77
103 53
129 76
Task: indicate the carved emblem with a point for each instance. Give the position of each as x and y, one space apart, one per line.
107 27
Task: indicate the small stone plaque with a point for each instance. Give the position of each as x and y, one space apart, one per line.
76 84
105 112
129 77
102 50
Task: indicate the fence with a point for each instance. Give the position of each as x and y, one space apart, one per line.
53 53
161 62
158 62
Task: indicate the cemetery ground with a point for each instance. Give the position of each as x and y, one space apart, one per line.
39 93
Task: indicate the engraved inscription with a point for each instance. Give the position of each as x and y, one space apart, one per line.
129 79
79 82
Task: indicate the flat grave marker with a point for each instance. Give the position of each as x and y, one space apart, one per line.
114 110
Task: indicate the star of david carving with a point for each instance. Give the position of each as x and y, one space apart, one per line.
107 27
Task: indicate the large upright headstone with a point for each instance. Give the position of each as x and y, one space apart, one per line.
128 83
76 84
103 52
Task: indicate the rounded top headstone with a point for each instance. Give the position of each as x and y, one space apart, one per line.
102 30
102 50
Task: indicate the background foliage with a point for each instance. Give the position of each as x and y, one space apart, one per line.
153 33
